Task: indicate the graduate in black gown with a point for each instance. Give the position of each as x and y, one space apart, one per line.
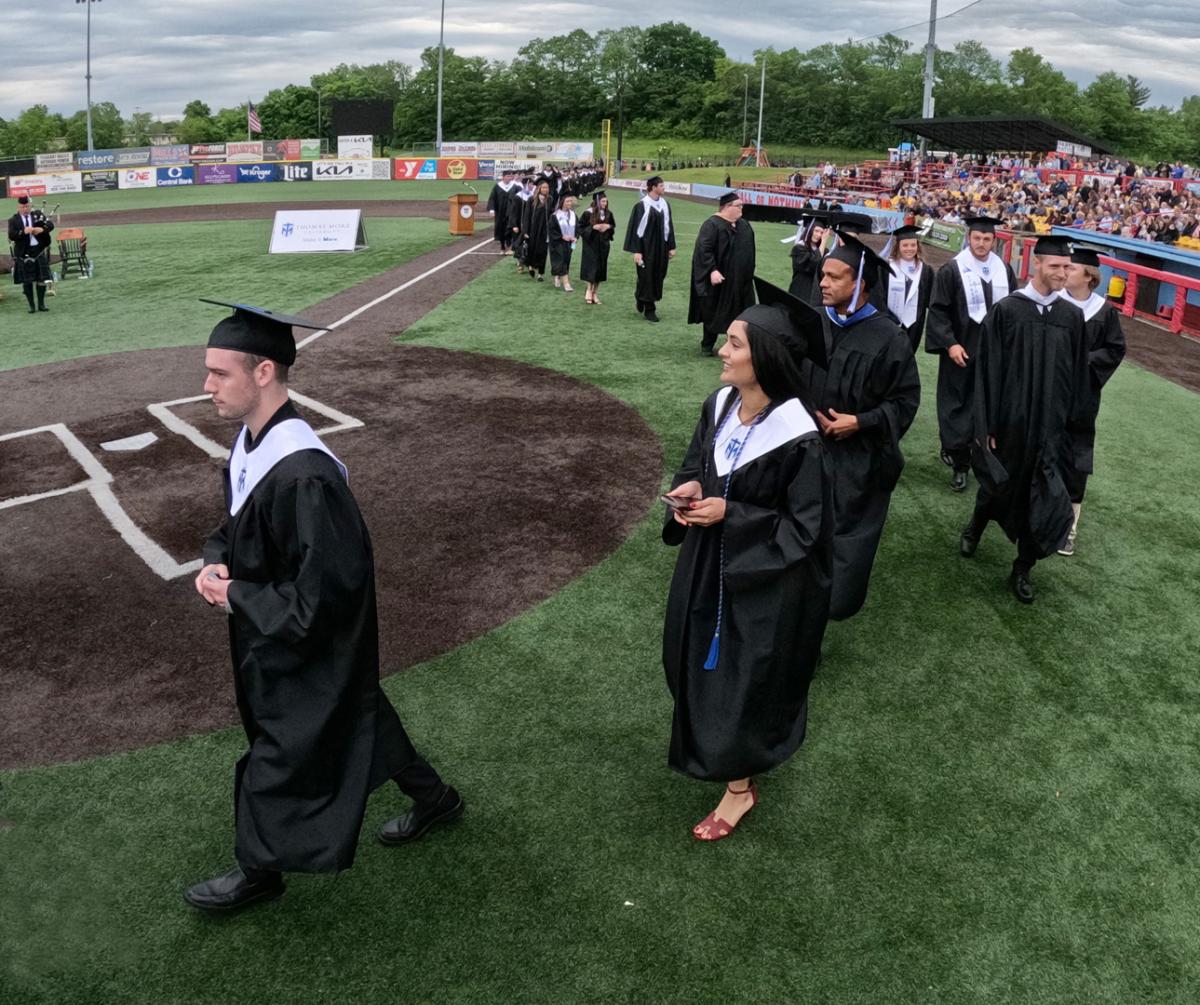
535 229
497 205
866 399
1106 349
854 224
964 290
515 211
563 227
807 255
722 271
650 237
292 567
1032 397
750 595
596 230
910 283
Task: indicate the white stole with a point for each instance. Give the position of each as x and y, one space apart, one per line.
902 305
974 274
247 469
1090 307
661 205
566 222
786 422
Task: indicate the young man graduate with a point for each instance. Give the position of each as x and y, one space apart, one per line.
650 236
1032 396
292 567
964 290
497 205
866 400
515 215
722 271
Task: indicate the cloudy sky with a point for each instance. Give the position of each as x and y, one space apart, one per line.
156 56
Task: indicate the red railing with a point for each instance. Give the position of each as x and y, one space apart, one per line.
1179 316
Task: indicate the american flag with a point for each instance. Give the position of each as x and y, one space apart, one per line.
252 120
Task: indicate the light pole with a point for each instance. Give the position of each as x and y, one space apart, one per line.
930 51
441 62
762 91
745 107
88 74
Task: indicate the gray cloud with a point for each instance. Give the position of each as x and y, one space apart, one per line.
158 56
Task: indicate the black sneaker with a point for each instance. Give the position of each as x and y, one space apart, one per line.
1021 586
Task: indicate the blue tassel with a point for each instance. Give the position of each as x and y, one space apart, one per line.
713 651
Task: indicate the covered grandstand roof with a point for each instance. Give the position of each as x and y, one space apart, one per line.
997 132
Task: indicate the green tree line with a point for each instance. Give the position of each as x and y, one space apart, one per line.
670 80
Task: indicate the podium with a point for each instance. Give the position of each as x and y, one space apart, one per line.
462 213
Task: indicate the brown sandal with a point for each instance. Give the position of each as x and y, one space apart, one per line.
718 827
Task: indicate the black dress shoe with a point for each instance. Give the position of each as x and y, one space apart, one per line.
958 481
968 543
232 891
651 316
1021 586
707 350
411 825
32 310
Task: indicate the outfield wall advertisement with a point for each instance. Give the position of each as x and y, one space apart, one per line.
216 174
45 184
137 178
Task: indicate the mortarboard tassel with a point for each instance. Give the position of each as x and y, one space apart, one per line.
714 651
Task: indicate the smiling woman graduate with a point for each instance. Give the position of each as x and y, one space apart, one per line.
749 600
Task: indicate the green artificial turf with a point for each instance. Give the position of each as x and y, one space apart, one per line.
147 280
995 803
208 195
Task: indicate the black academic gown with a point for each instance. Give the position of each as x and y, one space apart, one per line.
593 267
876 292
1031 394
535 228
728 249
304 638
560 247
655 249
749 714
515 212
805 262
946 324
498 204
872 374
1106 348
924 292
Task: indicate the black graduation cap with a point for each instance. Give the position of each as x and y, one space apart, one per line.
1051 245
258 331
797 324
905 233
1082 254
984 224
597 196
727 198
856 223
866 262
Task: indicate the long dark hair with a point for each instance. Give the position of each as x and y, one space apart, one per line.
774 368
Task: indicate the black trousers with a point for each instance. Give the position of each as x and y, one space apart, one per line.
1028 552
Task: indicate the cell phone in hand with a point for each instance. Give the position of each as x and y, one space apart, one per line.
678 503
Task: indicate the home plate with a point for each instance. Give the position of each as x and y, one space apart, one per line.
139 442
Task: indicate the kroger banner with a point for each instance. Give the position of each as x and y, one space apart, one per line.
90 160
216 174
244 152
299 171
137 178
63 161
173 153
200 152
133 157
99 181
172 177
257 172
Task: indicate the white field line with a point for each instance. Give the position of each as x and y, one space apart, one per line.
391 293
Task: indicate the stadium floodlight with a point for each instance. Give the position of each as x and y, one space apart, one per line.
930 52
441 61
88 74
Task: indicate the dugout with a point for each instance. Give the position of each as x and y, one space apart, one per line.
1002 134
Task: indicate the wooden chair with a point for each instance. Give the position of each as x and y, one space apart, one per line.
72 249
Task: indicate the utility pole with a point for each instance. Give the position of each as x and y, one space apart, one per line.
620 119
762 91
88 73
745 106
441 62
930 51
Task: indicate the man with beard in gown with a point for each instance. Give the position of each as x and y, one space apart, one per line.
866 400
749 599
650 236
292 566
722 271
1032 398
964 290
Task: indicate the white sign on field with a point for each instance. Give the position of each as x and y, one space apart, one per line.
297 231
